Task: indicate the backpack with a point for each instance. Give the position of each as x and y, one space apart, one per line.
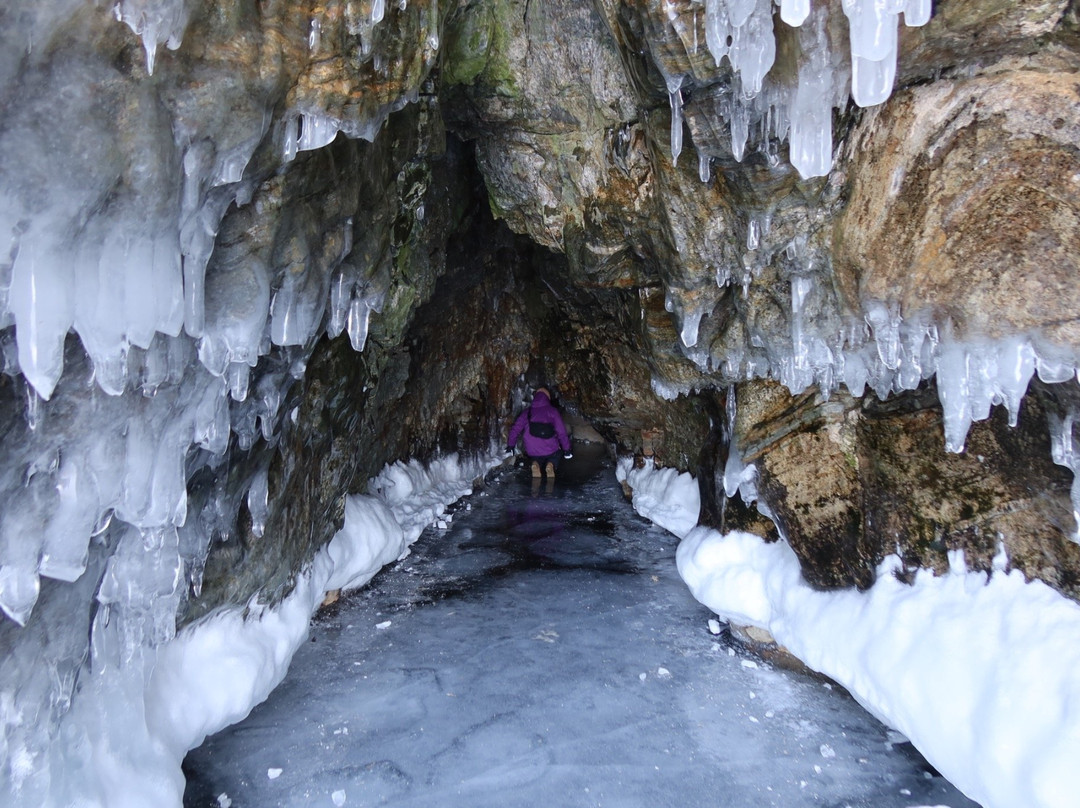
540 429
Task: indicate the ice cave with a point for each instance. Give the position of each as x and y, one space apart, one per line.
277 277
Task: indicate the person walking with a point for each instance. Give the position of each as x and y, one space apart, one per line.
544 434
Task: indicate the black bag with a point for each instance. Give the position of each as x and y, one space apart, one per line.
541 429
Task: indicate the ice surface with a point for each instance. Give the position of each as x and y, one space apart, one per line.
544 652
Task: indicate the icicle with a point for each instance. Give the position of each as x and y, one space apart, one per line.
801 370
717 29
954 386
239 375
258 497
917 13
872 81
740 129
675 98
739 11
156 22
872 26
316 131
291 138
341 290
64 550
1063 453
357 323
1016 366
703 167
753 46
691 323
753 235
1053 369
19 590
810 113
211 418
886 327
794 12
42 301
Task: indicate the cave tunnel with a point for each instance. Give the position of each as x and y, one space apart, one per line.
801 274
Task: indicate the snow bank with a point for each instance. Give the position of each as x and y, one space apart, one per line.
663 496
213 673
419 494
981 672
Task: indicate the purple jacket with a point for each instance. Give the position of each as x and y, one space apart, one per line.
541 411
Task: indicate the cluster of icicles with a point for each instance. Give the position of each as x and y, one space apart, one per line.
742 32
177 361
887 353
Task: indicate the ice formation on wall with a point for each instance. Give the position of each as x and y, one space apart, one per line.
156 21
886 353
146 360
171 335
741 31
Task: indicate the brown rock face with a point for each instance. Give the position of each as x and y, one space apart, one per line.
851 482
956 187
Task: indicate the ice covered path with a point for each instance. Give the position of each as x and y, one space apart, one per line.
542 651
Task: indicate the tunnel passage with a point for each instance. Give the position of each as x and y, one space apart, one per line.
220 221
500 319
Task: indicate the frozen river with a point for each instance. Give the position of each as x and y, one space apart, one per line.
541 650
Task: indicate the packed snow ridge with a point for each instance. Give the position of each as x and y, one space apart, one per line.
980 671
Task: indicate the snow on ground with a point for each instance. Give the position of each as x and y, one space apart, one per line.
982 673
213 673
